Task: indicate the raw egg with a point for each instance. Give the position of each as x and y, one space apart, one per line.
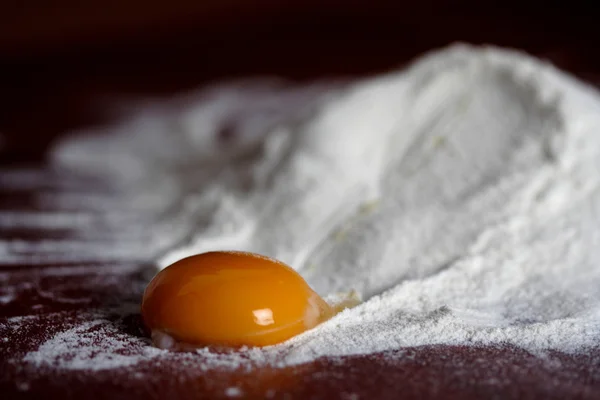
230 299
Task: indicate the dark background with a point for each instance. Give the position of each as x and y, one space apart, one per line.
58 58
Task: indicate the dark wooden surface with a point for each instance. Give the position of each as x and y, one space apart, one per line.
57 76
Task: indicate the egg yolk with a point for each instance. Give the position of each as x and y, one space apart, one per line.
231 299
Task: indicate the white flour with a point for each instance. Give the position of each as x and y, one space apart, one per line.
461 197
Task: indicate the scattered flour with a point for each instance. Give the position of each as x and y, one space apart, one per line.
93 345
461 197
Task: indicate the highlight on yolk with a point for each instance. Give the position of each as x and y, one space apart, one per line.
231 299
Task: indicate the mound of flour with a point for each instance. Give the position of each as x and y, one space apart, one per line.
460 197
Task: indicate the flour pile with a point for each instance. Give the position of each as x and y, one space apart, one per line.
460 197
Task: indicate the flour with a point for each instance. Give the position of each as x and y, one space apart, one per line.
233 392
460 197
94 345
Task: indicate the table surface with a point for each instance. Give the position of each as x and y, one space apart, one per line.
48 89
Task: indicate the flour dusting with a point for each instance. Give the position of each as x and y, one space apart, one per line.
460 197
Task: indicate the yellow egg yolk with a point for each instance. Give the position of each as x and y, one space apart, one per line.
231 299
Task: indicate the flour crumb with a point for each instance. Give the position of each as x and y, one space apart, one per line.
234 392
